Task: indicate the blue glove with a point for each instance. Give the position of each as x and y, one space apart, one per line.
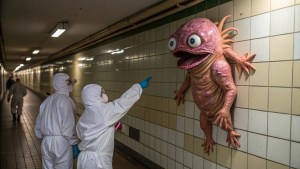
144 83
76 151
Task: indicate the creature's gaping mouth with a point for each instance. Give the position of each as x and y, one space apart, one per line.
189 60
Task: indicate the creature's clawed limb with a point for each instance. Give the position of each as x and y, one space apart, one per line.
206 126
208 144
232 139
245 63
223 117
179 96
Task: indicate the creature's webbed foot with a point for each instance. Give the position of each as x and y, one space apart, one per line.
232 139
208 144
244 63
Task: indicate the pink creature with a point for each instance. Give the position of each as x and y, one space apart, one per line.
201 48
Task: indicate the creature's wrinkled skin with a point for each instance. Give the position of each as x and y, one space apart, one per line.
201 48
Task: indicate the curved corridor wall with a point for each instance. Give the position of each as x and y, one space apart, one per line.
266 110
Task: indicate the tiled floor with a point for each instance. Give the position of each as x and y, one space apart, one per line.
20 148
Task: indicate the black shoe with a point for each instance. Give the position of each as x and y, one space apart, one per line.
19 118
14 117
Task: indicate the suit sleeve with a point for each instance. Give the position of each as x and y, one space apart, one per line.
114 111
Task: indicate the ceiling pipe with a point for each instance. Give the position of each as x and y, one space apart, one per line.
129 24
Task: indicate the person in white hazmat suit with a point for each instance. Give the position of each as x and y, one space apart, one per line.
96 126
18 91
55 124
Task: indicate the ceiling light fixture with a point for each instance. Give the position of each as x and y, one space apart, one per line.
59 29
28 59
36 51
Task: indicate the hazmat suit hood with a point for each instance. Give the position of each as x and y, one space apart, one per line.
90 95
60 83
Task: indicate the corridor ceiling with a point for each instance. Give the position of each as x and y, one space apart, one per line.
26 24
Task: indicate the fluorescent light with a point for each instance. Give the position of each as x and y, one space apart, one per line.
28 59
90 59
35 51
81 58
59 29
80 64
117 52
21 64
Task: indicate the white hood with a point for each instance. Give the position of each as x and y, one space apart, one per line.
60 83
90 95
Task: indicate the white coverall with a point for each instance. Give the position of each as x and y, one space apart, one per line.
96 126
18 91
55 124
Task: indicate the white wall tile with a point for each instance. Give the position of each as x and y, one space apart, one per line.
151 155
295 154
209 164
147 139
197 162
158 131
296 128
198 132
260 26
257 145
261 48
222 136
297 18
241 47
157 144
189 126
244 29
221 167
296 46
164 161
172 136
243 140
157 158
241 118
179 155
197 113
147 127
164 148
279 125
171 151
226 9
213 14
179 139
189 109
214 132
180 123
164 135
188 159
151 142
152 129
278 145
282 21
179 166
258 121
171 164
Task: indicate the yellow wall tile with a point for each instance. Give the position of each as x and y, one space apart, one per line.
172 106
242 9
181 110
212 155
281 47
172 121
164 119
188 143
147 114
152 102
198 149
272 165
260 77
281 74
280 100
297 2
239 160
260 6
296 101
165 104
158 103
152 116
242 96
158 117
277 4
256 162
296 74
224 156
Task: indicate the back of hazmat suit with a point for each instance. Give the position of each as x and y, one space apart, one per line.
96 126
18 91
55 124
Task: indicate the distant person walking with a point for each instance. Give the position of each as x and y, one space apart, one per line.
9 82
18 91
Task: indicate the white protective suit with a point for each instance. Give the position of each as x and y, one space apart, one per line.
18 91
55 124
96 126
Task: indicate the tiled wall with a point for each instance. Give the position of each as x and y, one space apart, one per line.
266 111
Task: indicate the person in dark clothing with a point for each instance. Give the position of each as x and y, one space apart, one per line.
9 82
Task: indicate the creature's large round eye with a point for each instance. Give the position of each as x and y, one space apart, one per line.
194 41
172 44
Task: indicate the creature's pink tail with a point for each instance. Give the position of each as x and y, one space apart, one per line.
118 126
